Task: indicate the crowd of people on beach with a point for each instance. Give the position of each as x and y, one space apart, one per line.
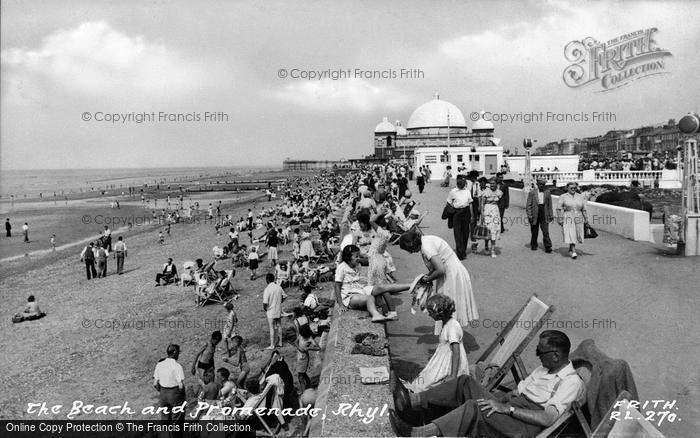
341 228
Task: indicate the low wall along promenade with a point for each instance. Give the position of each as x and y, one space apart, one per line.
625 222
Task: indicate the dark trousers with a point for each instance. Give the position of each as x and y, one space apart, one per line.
466 419
8 233
26 236
167 277
501 211
461 221
102 268
90 268
535 228
170 398
420 181
120 262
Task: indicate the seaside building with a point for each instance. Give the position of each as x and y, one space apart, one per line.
660 138
437 134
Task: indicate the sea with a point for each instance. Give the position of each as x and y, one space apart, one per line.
47 182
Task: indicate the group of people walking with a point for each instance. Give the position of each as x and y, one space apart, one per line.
475 209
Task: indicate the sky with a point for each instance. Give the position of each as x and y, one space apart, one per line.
216 68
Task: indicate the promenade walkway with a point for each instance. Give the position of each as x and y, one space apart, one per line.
637 302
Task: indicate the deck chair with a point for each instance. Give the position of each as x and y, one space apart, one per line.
575 412
212 293
262 401
503 355
622 421
319 255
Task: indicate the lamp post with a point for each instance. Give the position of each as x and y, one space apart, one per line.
690 244
527 180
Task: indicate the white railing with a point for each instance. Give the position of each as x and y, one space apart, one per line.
595 177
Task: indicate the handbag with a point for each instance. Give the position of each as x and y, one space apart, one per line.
589 232
480 231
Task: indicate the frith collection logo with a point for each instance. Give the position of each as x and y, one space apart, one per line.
615 63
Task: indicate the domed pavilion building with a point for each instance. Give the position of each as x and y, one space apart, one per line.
437 135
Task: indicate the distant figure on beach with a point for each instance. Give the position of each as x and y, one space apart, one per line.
31 311
107 238
253 261
161 238
88 256
8 228
169 273
53 242
25 230
120 254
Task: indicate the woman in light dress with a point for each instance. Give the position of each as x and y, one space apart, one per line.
571 215
489 208
450 359
450 275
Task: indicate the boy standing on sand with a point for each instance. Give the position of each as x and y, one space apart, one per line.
273 296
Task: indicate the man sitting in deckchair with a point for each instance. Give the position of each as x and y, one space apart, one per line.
536 403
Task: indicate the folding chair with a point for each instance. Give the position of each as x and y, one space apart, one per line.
624 420
319 255
621 421
576 410
503 354
216 294
263 400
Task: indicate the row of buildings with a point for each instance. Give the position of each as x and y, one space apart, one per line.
660 138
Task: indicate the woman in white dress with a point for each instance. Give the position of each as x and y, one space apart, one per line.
450 275
571 215
450 359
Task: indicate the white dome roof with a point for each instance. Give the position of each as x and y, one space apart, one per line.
481 123
385 126
434 114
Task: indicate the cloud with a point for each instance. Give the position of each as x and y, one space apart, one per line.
339 95
96 60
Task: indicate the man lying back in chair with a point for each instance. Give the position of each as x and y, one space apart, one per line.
536 403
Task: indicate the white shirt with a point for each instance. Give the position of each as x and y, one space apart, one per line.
459 198
540 198
272 296
311 301
558 390
169 373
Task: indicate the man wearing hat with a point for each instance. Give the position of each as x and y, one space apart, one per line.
539 214
169 380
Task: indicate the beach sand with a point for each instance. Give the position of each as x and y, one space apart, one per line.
84 215
102 338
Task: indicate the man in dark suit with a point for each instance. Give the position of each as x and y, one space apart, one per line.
539 213
504 201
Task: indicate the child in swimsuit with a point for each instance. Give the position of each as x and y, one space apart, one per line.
204 360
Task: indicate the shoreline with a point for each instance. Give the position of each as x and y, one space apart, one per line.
124 319
134 211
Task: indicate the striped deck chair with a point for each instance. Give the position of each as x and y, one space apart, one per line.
503 355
